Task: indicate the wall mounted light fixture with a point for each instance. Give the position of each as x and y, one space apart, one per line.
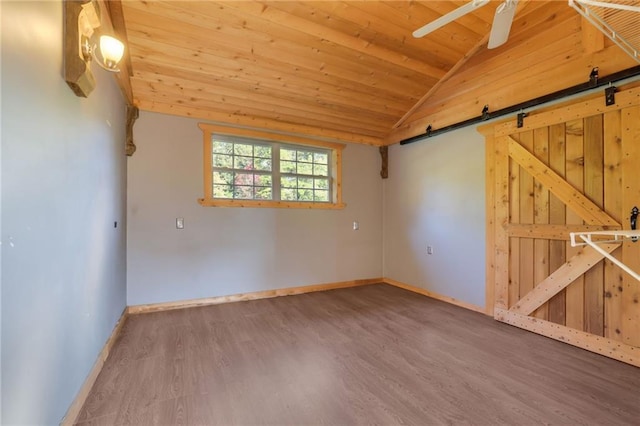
81 20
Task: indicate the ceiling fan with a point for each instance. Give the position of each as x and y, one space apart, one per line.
499 29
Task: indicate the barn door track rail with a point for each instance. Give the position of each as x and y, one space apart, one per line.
593 83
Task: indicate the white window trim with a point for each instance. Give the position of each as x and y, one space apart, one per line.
336 168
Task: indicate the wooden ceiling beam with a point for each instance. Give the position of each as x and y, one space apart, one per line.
371 25
261 104
559 50
229 68
552 38
243 106
258 114
343 106
532 22
546 77
274 15
258 123
268 57
259 35
592 37
242 44
475 49
466 105
354 96
247 38
277 76
343 67
458 36
219 66
248 90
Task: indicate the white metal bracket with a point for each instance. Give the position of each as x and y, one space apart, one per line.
614 20
614 237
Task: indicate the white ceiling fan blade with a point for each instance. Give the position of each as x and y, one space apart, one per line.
449 17
502 21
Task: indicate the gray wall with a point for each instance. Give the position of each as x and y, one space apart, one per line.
435 196
63 187
225 251
1 234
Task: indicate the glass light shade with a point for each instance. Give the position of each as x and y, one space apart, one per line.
112 50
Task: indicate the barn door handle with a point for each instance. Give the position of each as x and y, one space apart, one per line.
634 221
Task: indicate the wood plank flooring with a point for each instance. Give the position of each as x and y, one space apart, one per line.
366 355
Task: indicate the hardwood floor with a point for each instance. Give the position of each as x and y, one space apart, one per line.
366 355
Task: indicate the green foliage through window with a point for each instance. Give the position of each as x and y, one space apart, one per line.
244 169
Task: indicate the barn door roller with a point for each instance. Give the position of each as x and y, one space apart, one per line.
610 95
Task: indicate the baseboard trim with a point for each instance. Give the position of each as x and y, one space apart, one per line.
74 410
156 307
433 295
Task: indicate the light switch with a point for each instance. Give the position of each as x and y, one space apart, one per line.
356 225
180 222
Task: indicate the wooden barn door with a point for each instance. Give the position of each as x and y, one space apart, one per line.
576 168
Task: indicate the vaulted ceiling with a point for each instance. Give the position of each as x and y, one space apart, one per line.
348 70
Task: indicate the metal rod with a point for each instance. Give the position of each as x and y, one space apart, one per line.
574 90
586 237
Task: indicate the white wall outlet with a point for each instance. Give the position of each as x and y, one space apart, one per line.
180 223
356 225
429 250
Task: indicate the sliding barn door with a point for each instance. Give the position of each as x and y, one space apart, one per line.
576 168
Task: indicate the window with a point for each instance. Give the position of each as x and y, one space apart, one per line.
246 168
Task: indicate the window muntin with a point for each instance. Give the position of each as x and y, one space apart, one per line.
305 174
244 168
241 169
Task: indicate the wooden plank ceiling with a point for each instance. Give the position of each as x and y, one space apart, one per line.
347 70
